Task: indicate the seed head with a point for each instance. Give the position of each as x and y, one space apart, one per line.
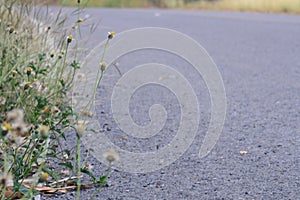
103 66
69 38
29 70
80 128
44 177
111 156
52 54
6 180
44 131
111 35
11 29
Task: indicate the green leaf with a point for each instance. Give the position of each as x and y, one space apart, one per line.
75 65
102 180
67 164
88 172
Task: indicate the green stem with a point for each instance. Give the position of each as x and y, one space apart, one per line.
78 156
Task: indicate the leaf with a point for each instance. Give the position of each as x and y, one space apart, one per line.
88 172
102 180
66 164
75 65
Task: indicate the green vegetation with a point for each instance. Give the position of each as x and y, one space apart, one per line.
38 62
126 3
285 6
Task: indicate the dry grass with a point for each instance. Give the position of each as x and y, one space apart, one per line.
105 3
282 6
277 6
125 3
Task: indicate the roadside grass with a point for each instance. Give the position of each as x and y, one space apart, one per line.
39 58
106 3
275 6
125 3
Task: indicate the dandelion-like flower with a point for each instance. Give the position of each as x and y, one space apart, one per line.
55 110
15 116
80 128
44 131
6 180
28 71
52 54
5 128
2 100
111 35
87 113
11 29
103 66
69 38
62 53
19 129
44 177
111 156
80 75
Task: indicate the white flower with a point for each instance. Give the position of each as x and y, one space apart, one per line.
111 156
15 116
6 180
80 128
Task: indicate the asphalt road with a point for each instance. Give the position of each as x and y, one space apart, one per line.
258 56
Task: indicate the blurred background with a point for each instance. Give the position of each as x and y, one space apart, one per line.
281 6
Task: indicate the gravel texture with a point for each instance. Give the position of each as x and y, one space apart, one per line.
258 57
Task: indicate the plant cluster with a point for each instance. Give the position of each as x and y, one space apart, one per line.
36 74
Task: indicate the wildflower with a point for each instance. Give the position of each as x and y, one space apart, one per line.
44 177
19 129
88 166
111 156
62 53
80 128
14 139
6 180
38 86
55 110
111 35
87 113
80 75
44 131
74 26
65 172
69 38
2 100
27 85
103 66
10 77
11 29
14 116
48 28
46 110
52 54
5 127
29 70
65 156
14 73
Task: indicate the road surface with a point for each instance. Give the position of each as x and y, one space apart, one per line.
258 56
